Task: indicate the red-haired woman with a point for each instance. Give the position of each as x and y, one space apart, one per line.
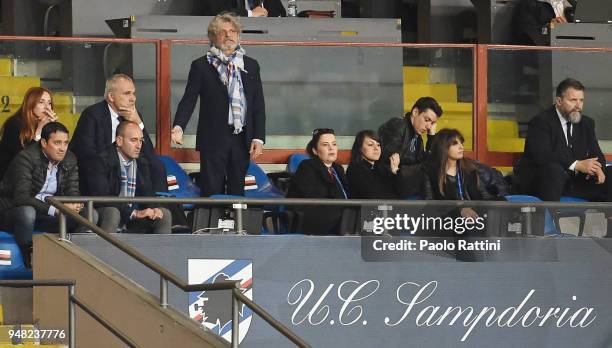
25 125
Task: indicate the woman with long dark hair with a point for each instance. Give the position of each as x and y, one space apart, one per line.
367 177
26 124
450 175
320 177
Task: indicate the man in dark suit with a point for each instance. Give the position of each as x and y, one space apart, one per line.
232 111
562 154
244 8
95 130
121 171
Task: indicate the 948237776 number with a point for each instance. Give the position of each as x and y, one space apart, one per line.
37 334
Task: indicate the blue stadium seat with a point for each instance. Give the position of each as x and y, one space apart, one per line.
11 260
265 188
294 162
184 188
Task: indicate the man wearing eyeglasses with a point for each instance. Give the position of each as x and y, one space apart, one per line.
403 136
232 123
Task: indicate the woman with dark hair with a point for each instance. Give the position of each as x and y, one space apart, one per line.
25 125
367 177
319 177
450 175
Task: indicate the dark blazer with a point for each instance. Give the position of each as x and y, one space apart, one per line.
275 8
546 143
27 174
367 181
9 143
311 180
396 136
473 188
104 180
93 135
204 83
530 22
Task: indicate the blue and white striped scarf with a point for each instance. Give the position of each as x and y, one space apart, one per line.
127 176
231 78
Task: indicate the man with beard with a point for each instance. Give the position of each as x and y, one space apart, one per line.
231 126
562 155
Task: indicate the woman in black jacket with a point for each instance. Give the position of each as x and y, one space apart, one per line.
319 177
451 176
26 124
367 177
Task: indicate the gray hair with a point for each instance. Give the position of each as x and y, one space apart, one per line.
112 81
224 17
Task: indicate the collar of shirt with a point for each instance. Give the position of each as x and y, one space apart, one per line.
125 162
51 163
114 122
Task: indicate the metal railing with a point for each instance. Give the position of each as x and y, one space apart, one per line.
72 301
240 204
165 275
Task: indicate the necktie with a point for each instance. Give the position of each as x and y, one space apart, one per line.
569 134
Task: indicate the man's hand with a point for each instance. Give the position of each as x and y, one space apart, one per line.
129 113
560 19
432 130
469 212
148 213
588 166
157 214
177 135
395 162
259 11
600 176
256 149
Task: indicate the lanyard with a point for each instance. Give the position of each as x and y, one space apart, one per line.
459 185
339 182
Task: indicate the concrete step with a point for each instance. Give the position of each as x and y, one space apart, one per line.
47 69
416 74
62 102
442 92
6 66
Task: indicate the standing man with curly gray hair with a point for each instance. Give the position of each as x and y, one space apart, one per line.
232 122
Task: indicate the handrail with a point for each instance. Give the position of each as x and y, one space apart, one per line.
72 300
166 276
77 39
324 202
154 266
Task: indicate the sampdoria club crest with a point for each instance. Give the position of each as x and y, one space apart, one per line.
213 309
